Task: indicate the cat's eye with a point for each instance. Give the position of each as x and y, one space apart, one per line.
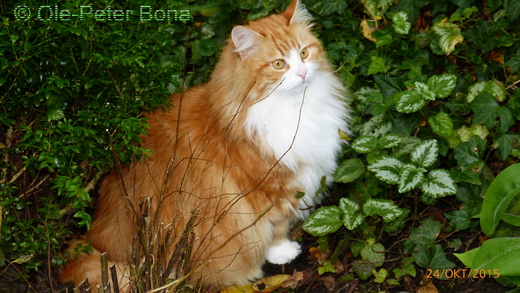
304 53
278 64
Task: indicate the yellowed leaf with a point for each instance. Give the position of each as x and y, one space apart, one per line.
428 288
366 30
264 285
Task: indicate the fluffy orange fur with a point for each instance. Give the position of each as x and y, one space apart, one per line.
204 162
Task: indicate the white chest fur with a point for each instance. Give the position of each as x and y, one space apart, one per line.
300 127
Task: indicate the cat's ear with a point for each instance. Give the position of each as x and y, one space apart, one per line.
297 13
245 40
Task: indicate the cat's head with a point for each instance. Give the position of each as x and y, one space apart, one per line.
279 52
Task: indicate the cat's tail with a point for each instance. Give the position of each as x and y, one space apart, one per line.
83 266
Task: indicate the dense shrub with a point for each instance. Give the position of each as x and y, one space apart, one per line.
434 93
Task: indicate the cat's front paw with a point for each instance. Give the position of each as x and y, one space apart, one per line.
284 252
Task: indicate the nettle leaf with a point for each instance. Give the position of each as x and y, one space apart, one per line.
387 169
351 218
442 85
425 155
349 171
438 184
424 91
448 35
441 124
401 24
324 221
410 177
409 102
377 66
389 141
365 144
382 207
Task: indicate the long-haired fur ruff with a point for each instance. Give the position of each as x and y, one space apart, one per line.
231 155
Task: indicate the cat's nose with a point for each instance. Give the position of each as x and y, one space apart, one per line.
302 72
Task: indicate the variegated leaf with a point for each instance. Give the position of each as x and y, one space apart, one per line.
410 102
442 85
387 169
389 141
324 221
382 207
438 184
426 153
410 177
424 91
365 144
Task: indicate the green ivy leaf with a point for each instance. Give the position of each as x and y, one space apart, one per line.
380 276
433 258
409 102
425 155
365 144
387 169
410 177
407 268
441 124
438 184
374 253
442 85
382 207
324 221
485 108
401 24
424 235
448 36
331 6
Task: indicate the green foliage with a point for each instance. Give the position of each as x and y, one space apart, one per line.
434 91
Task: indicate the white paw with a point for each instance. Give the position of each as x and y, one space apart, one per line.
283 253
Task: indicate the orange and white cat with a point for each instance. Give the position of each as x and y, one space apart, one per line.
235 151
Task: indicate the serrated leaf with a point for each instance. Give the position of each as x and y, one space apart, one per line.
401 24
389 141
351 219
324 221
409 102
387 169
349 171
348 206
365 144
385 208
448 35
425 155
441 124
438 183
493 87
409 178
377 65
442 85
424 91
